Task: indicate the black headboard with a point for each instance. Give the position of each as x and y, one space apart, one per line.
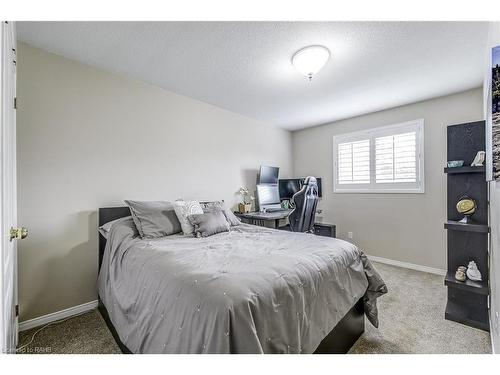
106 215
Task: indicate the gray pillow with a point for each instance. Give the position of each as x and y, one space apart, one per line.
106 228
219 205
154 219
124 225
209 223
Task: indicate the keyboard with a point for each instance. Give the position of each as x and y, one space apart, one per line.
275 210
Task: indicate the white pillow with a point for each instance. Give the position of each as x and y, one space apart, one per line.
183 209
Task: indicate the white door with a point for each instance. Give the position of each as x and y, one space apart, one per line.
8 200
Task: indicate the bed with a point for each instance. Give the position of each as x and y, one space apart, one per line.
250 290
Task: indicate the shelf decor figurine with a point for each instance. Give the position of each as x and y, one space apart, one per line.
479 159
245 206
473 272
455 163
460 274
466 206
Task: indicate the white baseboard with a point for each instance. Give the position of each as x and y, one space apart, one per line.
417 267
492 339
58 315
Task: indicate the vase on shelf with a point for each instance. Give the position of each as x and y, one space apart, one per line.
244 208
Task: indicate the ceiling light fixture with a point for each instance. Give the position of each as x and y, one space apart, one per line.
309 60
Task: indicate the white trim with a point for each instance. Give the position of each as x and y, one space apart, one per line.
58 315
493 351
8 200
411 266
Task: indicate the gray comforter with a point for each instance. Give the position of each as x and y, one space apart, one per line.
252 290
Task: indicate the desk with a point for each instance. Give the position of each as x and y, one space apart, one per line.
259 218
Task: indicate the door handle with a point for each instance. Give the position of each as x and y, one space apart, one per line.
18 233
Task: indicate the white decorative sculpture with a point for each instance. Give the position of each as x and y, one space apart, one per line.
473 273
479 159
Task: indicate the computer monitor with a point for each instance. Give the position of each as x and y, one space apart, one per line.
268 175
289 186
268 194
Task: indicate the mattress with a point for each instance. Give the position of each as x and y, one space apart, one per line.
250 290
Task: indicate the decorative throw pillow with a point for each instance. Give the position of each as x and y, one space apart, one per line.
154 219
211 204
219 205
209 223
183 209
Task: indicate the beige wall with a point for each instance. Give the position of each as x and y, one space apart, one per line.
403 227
89 139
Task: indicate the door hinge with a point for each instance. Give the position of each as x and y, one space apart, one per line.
15 103
17 310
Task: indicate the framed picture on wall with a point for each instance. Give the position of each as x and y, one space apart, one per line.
495 112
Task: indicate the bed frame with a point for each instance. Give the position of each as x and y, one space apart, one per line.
339 340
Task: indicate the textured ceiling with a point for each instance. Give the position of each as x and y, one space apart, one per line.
245 66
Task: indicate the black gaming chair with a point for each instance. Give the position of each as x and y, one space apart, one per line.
305 200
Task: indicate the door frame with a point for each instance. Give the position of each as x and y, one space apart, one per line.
8 188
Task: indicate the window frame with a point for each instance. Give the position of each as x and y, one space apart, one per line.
417 187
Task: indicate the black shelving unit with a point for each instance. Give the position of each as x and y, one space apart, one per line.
466 169
468 300
466 227
480 287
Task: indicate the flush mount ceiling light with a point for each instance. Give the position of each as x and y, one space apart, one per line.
309 60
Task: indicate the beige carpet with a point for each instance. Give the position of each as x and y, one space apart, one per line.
412 318
411 321
84 334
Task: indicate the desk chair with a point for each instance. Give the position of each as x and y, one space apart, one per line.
305 200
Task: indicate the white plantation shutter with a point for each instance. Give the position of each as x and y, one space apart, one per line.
396 158
388 159
354 162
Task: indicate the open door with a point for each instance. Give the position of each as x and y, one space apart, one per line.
8 200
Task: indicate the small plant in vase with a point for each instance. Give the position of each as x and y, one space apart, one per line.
246 201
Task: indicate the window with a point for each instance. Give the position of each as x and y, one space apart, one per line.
388 159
